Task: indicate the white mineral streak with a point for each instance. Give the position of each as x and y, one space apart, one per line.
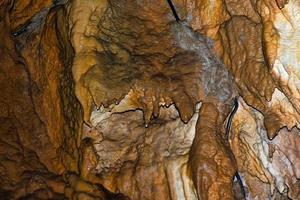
267 161
286 69
267 166
283 106
160 147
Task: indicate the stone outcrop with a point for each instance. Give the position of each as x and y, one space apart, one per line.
115 99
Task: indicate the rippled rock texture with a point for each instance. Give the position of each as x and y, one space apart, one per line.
118 99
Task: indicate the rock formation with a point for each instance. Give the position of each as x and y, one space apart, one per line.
127 99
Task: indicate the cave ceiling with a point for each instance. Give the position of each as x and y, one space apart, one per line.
150 100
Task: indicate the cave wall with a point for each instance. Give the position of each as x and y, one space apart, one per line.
117 100
40 116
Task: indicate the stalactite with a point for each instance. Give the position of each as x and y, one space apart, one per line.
126 99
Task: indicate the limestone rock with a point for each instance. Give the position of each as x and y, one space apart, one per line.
115 99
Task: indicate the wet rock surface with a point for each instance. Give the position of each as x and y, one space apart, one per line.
117 100
153 157
270 164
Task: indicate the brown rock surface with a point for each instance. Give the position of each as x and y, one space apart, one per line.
114 99
109 54
268 166
26 152
143 163
40 116
211 161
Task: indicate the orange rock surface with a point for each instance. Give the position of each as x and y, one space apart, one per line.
117 100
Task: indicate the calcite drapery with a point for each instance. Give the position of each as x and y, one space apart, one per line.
182 72
134 54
